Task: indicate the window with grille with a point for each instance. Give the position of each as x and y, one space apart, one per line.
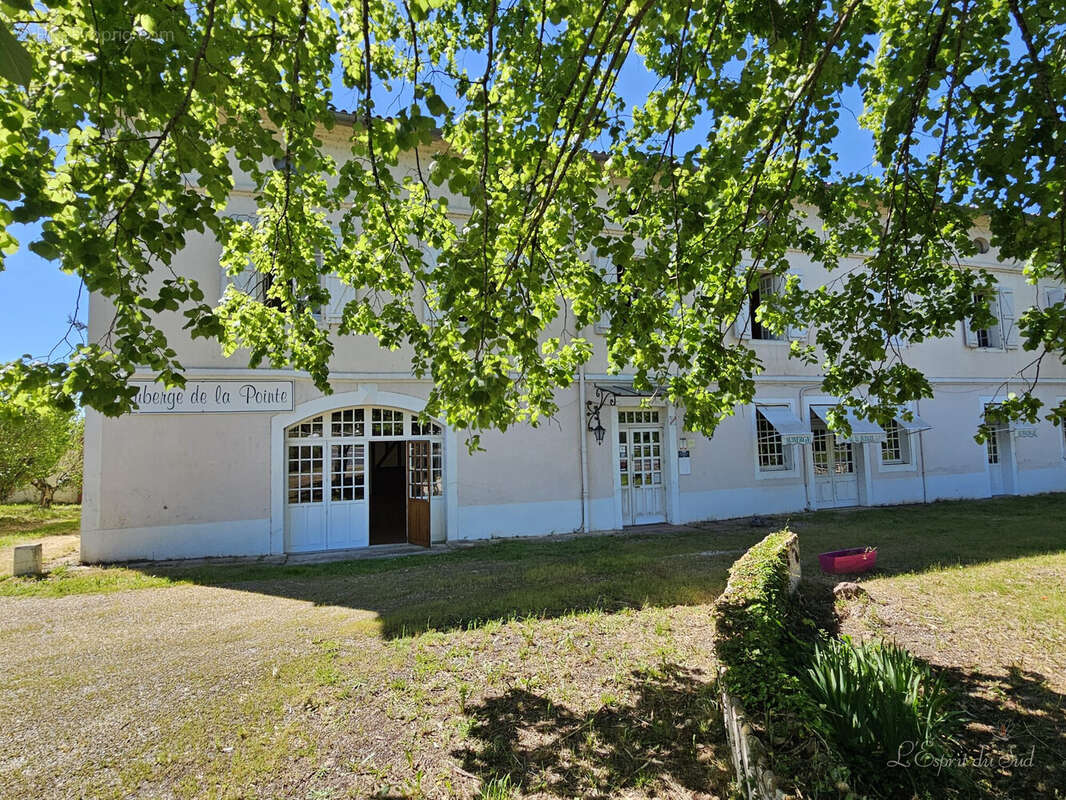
992 446
347 423
347 477
386 422
895 449
305 473
772 453
992 427
643 416
418 466
428 429
308 429
843 458
824 446
436 467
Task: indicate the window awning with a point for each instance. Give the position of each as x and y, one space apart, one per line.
862 430
914 425
787 424
1023 430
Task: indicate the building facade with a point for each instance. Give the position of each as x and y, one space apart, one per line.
250 462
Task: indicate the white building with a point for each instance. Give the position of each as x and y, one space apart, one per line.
249 462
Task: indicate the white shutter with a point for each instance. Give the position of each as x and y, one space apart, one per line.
969 335
1053 295
606 268
1008 329
429 316
796 332
248 281
340 294
742 326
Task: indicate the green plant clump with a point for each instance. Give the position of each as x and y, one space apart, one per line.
879 706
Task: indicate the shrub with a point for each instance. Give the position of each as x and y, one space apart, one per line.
751 641
876 702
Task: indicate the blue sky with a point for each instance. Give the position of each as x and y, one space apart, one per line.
37 300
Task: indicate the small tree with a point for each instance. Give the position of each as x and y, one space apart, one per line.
33 442
68 469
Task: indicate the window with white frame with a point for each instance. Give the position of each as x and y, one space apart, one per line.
348 422
769 285
895 449
308 429
993 426
772 453
428 429
305 474
1003 333
748 325
643 416
347 472
386 422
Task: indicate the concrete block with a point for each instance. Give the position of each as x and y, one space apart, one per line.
28 559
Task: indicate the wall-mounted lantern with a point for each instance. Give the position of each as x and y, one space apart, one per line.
592 414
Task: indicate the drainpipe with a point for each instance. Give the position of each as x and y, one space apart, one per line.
921 452
807 477
583 441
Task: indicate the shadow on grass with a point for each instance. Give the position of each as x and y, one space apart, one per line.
671 735
681 566
1015 741
511 580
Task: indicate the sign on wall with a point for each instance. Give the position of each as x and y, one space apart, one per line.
203 397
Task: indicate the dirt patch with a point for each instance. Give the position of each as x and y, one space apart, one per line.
57 551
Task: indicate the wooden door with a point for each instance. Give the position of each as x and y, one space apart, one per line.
418 476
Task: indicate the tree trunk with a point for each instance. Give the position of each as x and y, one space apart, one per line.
47 492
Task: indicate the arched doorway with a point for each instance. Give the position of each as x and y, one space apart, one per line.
362 475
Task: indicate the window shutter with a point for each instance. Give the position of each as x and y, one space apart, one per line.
429 316
609 272
248 281
1053 295
742 326
969 335
340 294
223 281
1008 329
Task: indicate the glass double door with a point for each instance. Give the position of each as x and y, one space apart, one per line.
836 481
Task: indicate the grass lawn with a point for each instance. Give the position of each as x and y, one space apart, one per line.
568 667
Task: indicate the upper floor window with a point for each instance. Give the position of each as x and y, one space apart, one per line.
748 323
769 285
1003 333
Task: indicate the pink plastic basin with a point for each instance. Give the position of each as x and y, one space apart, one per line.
850 561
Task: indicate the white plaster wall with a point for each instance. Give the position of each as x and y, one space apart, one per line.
165 486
